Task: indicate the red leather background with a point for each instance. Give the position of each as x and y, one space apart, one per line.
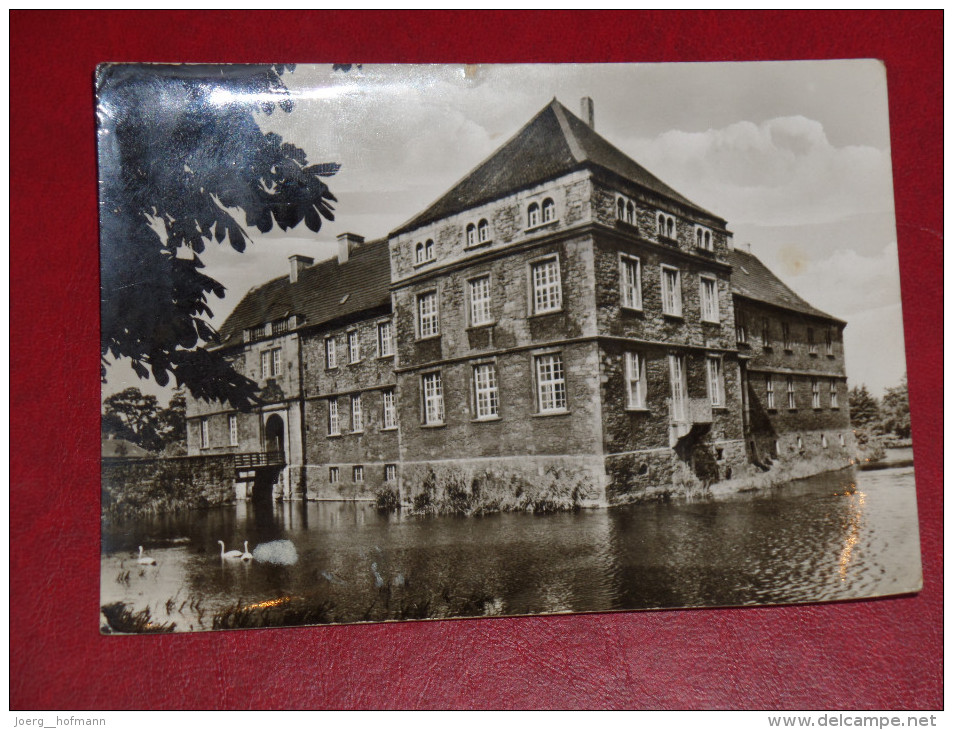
869 654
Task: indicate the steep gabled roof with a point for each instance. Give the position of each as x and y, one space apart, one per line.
552 143
323 292
753 280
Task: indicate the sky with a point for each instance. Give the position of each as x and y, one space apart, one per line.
794 155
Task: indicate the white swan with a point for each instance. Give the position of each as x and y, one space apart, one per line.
246 555
231 554
145 559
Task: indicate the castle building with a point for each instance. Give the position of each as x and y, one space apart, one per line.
560 311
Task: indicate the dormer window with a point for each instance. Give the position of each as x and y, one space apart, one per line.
423 252
532 215
471 235
666 225
483 231
549 210
625 210
703 238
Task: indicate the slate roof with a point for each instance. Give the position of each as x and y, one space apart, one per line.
753 280
551 144
323 292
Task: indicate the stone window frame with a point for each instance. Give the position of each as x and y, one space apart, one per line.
815 393
829 342
357 414
716 380
559 386
353 346
424 252
484 236
436 398
791 393
233 429
470 236
766 334
680 379
704 238
833 394
666 295
330 353
533 215
419 316
786 341
489 301
666 226
203 434
389 423
625 210
636 304
491 391
823 440
357 473
334 475
741 327
540 214
276 362
390 473
549 211
811 343
703 298
555 285
265 364
843 441
381 326
635 399
334 418
770 403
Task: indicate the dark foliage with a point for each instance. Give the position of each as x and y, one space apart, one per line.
180 155
136 417
864 408
895 409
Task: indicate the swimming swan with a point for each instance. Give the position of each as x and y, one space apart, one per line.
231 554
246 555
145 559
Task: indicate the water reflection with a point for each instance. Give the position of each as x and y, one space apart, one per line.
839 535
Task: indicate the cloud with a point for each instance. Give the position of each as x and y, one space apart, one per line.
782 171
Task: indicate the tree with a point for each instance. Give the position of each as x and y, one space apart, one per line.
180 151
864 409
895 408
133 416
171 421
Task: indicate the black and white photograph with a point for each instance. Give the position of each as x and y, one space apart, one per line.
397 342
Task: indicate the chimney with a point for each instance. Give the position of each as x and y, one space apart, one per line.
298 262
347 242
587 111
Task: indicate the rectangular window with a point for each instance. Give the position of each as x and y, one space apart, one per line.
232 429
671 291
357 474
265 365
811 345
275 363
829 342
331 353
709 297
427 325
389 419
792 405
833 393
769 389
547 292
357 413
634 380
385 339
550 384
815 393
741 327
716 381
786 336
679 378
334 423
390 472
353 346
480 301
203 433
765 333
433 399
334 474
630 276
486 395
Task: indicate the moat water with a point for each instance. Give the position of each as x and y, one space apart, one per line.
835 536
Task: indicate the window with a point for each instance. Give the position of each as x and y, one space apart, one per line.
427 325
777 448
620 209
671 292
428 250
256 333
630 213
357 414
679 378
390 472
532 215
353 346
709 297
480 301
833 393
334 474
765 333
840 437
703 238
280 327
265 364
792 405
550 384
433 399
334 422
634 380
389 419
769 390
630 276
203 433
800 443
485 392
786 336
823 440
665 225
741 327
829 342
357 474
547 292
471 235
716 382
549 210
483 231
815 393
811 345
232 429
331 353
419 256
385 339
275 363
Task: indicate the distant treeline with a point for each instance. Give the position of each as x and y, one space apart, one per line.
136 417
